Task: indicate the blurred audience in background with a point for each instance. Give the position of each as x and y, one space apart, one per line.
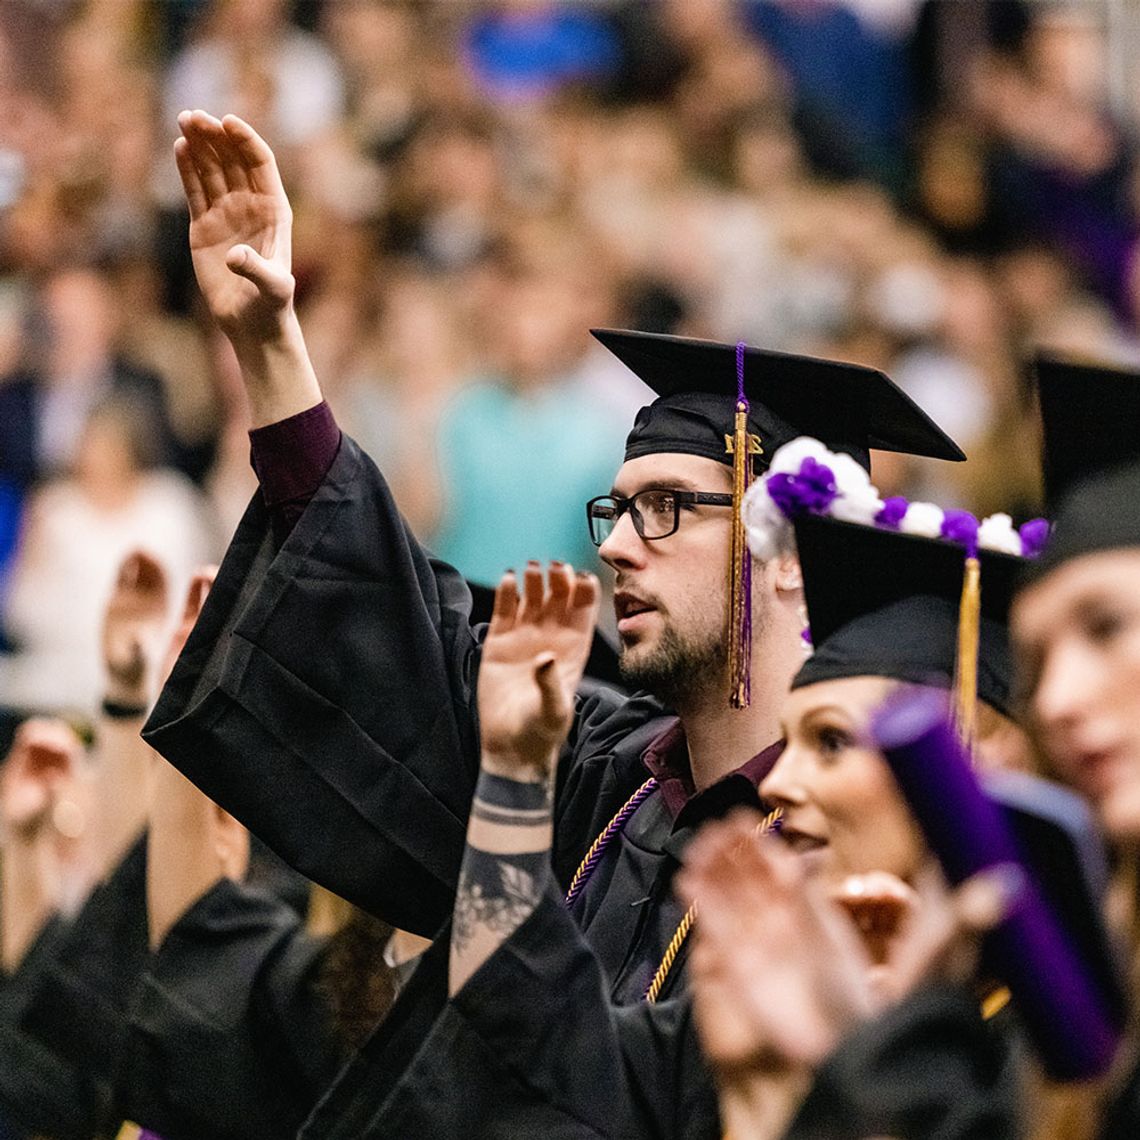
929 188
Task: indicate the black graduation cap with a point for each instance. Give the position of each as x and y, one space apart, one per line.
1090 418
601 665
886 604
848 407
1096 514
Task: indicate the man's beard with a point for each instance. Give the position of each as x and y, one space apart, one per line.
677 671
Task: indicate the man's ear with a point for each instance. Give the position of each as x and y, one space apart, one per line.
788 575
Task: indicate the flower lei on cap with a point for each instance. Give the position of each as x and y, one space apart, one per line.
806 478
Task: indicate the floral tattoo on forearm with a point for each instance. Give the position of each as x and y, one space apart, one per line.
505 864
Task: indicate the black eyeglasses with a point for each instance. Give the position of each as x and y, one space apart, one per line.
656 512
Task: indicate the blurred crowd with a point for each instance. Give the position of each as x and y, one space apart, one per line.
932 189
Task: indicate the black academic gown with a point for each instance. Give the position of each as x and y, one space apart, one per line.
229 1034
40 1093
928 1069
326 699
67 1007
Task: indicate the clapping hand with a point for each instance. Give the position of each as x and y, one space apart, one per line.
44 761
779 974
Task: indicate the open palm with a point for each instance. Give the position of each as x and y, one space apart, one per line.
133 626
533 658
240 221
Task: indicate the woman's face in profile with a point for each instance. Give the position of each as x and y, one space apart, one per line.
1077 637
842 809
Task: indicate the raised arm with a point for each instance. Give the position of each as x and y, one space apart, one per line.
241 244
532 663
43 762
134 625
192 844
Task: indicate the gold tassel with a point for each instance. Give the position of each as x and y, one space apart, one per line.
969 632
740 599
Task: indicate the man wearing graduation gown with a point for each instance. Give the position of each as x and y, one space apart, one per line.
326 697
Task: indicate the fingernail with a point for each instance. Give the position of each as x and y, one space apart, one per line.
533 564
556 562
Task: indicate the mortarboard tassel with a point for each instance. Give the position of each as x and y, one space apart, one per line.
966 670
740 567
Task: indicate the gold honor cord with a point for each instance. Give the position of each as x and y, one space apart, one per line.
686 924
586 867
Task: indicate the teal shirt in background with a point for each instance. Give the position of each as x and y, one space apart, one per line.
517 470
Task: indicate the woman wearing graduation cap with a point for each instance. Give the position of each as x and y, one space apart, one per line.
888 609
1076 627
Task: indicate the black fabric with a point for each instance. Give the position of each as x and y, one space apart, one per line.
556 1060
928 1069
915 640
1122 1116
326 698
40 1094
849 407
885 604
1089 417
230 1035
69 1023
1100 514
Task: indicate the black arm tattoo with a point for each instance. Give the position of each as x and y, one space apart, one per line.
505 863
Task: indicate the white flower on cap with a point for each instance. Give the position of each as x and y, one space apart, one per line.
789 458
924 519
998 533
858 500
766 528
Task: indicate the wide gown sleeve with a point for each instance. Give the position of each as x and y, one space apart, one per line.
531 1046
325 698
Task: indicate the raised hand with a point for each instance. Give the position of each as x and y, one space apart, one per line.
195 599
133 627
240 222
533 658
191 842
241 244
782 971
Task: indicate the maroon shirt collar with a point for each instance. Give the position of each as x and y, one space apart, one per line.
667 759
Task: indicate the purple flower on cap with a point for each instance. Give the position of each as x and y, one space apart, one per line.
810 491
1034 535
961 527
892 513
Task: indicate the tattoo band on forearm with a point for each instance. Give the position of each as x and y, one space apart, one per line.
506 860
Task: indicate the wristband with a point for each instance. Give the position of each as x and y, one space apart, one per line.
115 710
